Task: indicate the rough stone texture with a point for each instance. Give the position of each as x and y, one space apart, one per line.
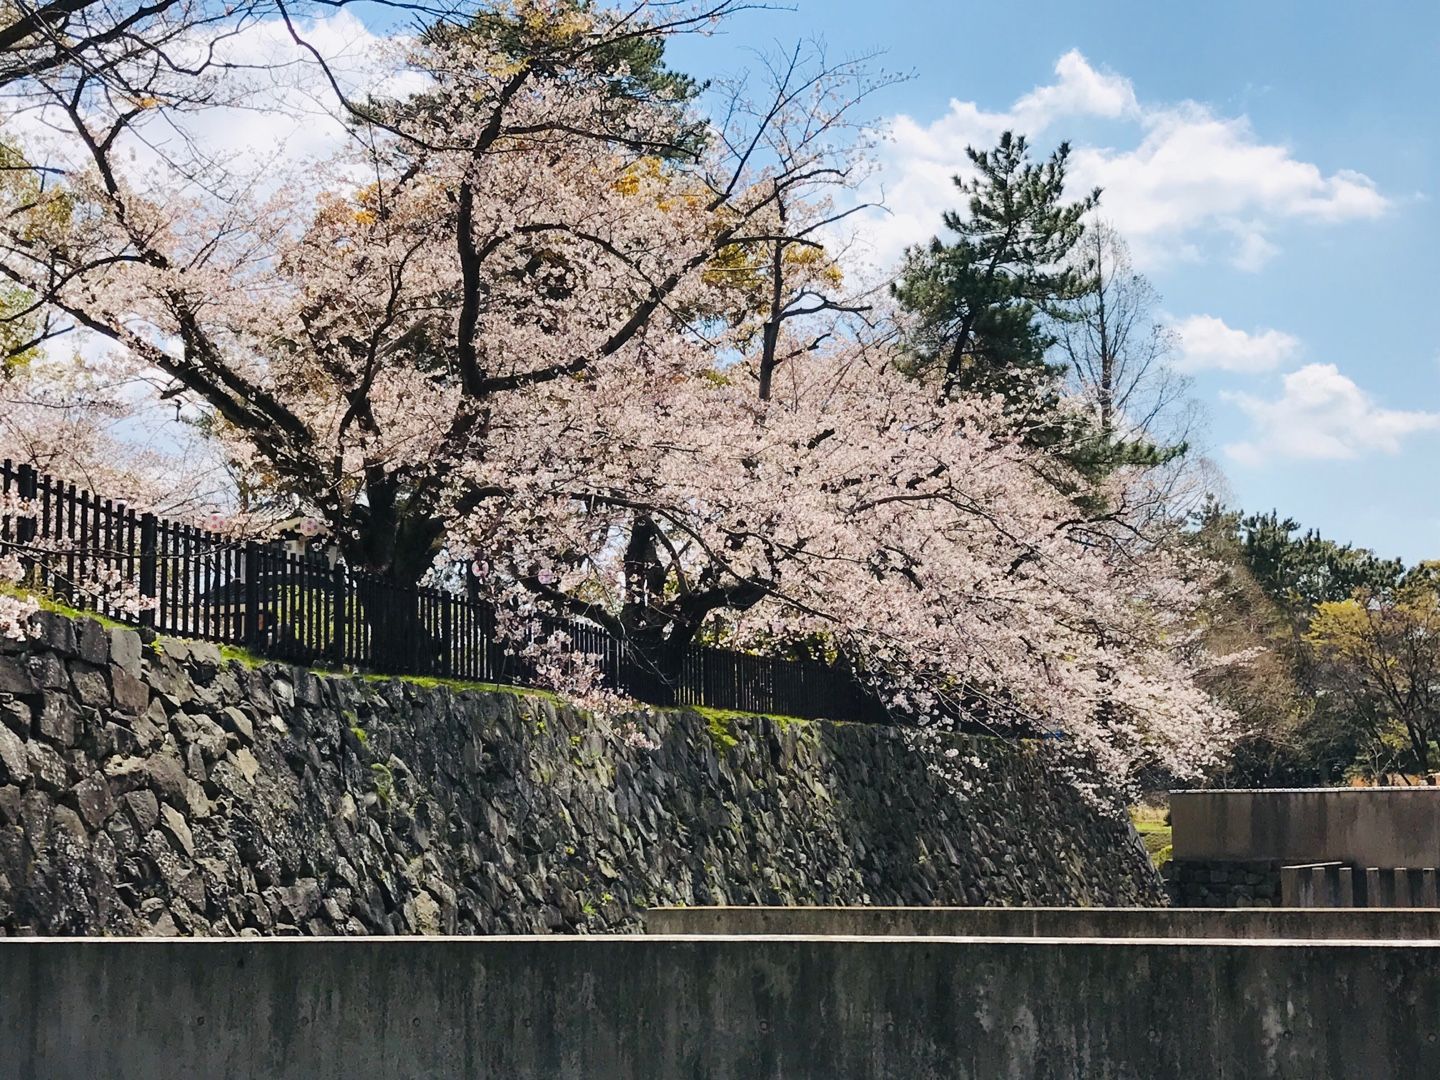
1223 882
719 1008
226 800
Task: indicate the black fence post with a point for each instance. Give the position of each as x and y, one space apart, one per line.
149 546
339 588
27 488
250 621
447 635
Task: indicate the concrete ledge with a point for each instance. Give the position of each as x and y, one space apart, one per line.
719 1008
1311 924
1385 827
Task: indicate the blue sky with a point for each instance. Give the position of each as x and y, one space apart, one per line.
1273 164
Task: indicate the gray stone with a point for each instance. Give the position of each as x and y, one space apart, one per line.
91 686
127 774
131 695
246 763
48 671
173 825
67 822
239 723
209 737
14 765
15 677
144 808
92 643
125 651
47 767
55 631
93 799
9 807
16 716
166 775
57 719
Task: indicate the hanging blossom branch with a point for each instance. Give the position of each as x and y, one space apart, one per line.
87 575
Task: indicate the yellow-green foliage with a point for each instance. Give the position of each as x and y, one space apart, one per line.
1154 832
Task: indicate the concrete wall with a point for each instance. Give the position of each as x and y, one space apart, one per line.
1116 923
1384 827
642 1008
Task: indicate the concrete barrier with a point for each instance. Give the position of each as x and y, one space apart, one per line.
1312 924
1319 885
1384 827
718 1008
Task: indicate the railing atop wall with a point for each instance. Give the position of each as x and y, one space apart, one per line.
304 609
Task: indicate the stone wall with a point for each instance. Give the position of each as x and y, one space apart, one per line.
161 790
1223 882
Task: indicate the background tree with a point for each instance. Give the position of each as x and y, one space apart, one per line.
1304 716
976 302
1117 349
1381 654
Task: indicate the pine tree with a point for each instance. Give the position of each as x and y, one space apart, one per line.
977 301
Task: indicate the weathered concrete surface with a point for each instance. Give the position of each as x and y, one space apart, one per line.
717 1008
1385 827
1315 924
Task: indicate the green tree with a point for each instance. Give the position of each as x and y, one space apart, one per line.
1381 654
1311 717
977 301
1303 571
544 38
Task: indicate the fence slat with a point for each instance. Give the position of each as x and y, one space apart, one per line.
300 607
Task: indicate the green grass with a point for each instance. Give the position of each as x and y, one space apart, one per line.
49 604
1154 832
430 682
723 715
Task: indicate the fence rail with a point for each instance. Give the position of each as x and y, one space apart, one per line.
304 609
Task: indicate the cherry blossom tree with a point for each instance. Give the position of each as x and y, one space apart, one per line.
554 314
511 232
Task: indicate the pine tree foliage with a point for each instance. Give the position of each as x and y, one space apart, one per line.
977 300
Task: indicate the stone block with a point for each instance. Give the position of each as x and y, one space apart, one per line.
125 651
16 716
237 722
93 799
92 642
131 695
144 808
91 686
66 822
54 631
58 719
9 806
47 767
15 677
14 763
173 824
166 776
127 774
48 671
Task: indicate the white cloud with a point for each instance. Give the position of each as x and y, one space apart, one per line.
274 110
1322 415
286 106
1182 179
1208 344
